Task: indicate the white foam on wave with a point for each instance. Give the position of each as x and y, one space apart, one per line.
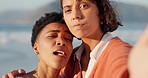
130 36
21 37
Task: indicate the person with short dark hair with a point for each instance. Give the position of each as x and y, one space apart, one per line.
52 43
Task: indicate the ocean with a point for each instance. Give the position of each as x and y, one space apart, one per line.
16 51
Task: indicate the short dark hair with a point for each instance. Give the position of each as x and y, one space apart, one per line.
108 17
43 21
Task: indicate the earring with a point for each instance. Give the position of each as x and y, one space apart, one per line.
36 53
101 23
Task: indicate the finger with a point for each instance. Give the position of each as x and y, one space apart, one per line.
17 72
21 71
10 75
75 76
14 73
5 76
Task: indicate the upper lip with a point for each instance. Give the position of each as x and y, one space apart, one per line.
80 24
60 51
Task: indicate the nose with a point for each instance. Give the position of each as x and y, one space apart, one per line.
60 42
76 14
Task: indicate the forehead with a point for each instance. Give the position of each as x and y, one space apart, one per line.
71 1
53 26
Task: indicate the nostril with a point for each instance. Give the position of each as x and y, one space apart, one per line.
57 43
63 44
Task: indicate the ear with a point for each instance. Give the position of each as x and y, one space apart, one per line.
35 47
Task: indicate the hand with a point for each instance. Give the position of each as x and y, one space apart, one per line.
138 58
14 73
75 76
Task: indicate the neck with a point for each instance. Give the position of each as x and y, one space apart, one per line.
91 43
44 71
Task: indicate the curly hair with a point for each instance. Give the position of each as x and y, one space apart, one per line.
108 17
43 21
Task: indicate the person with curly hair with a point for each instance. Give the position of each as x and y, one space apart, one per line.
100 55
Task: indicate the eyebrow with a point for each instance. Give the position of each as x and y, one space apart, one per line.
68 6
53 31
68 32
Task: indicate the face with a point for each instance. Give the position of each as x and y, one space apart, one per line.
82 18
54 44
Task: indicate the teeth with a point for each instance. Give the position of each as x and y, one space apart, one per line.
61 52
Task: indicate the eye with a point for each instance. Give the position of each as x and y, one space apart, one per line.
67 10
84 6
52 36
68 39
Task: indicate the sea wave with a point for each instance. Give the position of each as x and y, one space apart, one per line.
130 36
21 37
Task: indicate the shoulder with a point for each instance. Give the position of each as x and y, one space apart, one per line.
116 53
116 41
118 46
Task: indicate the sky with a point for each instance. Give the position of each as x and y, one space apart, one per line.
138 2
31 4
21 4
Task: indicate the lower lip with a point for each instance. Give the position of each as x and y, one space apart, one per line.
61 56
78 27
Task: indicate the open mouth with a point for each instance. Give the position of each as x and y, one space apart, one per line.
60 53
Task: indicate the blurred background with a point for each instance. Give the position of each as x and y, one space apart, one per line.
18 16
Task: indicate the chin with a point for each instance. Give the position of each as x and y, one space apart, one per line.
59 67
79 36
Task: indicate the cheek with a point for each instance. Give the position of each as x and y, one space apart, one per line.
69 25
70 47
45 45
92 16
95 18
67 19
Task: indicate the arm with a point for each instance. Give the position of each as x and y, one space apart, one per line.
14 73
138 64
